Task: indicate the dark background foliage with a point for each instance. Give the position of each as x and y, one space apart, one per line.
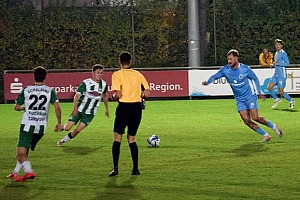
64 35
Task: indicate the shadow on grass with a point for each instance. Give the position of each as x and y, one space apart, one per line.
115 189
14 191
79 150
163 147
250 149
286 110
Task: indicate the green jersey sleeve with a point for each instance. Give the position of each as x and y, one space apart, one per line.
53 97
21 98
81 88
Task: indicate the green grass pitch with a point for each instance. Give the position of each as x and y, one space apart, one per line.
206 152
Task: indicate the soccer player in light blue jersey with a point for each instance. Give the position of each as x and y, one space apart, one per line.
280 63
245 87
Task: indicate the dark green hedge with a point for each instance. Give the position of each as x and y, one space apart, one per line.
250 26
78 37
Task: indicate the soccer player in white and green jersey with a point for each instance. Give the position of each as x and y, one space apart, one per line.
37 99
86 102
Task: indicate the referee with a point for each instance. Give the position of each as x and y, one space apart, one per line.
127 85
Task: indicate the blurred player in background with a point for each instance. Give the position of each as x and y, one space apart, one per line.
36 99
279 78
265 58
86 101
127 84
245 87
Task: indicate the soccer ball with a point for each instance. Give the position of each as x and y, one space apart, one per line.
153 141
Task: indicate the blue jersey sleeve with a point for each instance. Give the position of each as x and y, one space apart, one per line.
253 77
283 59
216 76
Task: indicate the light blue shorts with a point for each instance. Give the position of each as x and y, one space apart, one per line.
280 82
250 104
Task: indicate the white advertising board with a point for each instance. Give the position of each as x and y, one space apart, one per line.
221 88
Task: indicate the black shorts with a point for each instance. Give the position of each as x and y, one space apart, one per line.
130 115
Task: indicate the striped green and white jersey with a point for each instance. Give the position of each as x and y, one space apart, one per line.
91 95
36 99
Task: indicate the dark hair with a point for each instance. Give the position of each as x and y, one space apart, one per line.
97 66
233 52
40 74
279 41
125 58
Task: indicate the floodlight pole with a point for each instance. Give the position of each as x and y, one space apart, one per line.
193 33
132 31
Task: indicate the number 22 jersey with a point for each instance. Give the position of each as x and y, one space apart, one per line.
37 99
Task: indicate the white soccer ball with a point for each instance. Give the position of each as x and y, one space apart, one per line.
153 141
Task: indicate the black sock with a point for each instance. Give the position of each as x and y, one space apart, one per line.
70 136
116 153
134 154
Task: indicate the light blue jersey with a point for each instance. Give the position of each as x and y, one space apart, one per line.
280 76
283 62
243 81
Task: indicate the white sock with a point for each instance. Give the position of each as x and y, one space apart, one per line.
27 166
17 168
65 139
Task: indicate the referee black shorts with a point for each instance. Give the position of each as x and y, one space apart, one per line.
130 115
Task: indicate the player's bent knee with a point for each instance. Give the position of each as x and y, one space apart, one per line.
247 122
66 127
257 119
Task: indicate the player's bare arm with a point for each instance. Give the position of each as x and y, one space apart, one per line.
58 117
75 105
261 96
105 101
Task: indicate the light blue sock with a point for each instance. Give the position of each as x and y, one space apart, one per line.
273 94
261 131
287 96
270 125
